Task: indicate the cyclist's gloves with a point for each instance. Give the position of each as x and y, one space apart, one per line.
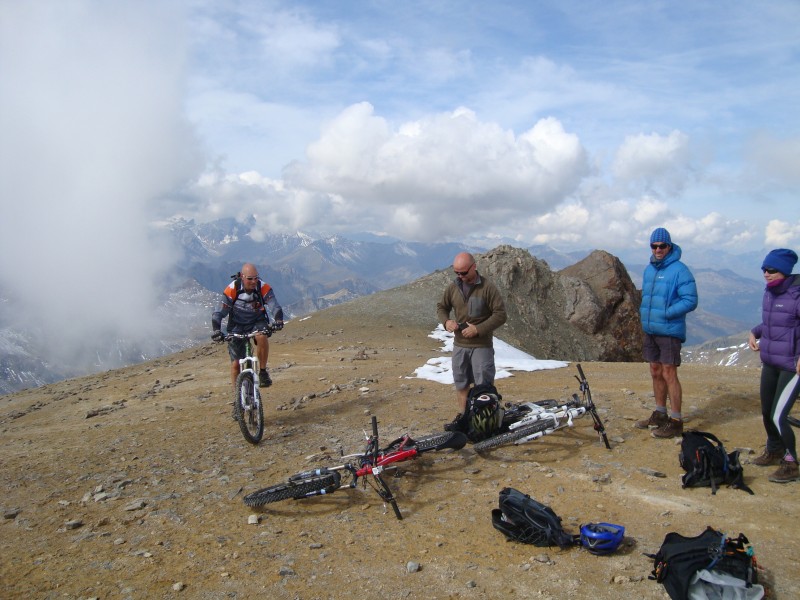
278 325
218 336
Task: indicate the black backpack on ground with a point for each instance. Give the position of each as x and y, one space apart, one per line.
483 417
706 463
680 557
522 519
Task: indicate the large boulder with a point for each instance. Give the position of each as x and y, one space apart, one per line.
588 311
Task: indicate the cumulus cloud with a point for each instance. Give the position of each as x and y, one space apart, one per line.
782 234
405 180
92 135
657 162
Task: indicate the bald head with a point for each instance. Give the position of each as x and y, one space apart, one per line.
249 277
463 265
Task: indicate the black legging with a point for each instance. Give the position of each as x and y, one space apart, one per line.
779 390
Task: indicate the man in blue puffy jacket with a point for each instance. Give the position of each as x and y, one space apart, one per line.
669 292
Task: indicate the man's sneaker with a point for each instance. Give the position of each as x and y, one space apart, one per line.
672 428
788 471
767 459
657 419
456 424
264 379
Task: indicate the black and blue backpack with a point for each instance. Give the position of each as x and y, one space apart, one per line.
706 463
522 519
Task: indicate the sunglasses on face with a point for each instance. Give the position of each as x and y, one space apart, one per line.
659 246
251 278
463 273
770 270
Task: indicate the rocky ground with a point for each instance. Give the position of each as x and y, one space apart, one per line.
129 484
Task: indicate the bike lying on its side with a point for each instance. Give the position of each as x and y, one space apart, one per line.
367 467
528 421
247 408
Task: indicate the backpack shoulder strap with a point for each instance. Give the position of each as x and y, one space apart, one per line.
708 435
237 285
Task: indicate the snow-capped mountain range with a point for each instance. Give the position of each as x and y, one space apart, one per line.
311 272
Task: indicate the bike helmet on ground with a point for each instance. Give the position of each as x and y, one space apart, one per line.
601 538
486 417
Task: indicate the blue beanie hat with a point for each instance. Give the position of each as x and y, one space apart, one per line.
781 259
660 235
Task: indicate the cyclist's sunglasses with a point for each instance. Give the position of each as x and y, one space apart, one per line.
463 273
659 246
770 270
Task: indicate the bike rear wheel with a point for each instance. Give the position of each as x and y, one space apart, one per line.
313 485
249 413
514 435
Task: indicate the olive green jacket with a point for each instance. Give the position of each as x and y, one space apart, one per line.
482 307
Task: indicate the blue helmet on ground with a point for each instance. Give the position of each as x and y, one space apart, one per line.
601 538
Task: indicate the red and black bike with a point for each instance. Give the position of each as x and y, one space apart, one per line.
366 467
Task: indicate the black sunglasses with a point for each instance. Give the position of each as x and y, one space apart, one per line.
659 246
770 270
463 273
251 278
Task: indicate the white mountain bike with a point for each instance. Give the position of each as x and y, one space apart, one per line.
247 407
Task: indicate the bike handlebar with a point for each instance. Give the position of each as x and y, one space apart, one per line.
267 332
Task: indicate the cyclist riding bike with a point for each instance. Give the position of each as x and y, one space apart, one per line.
248 303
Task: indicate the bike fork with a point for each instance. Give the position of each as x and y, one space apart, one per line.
386 495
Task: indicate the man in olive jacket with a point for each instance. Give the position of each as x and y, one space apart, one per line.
477 310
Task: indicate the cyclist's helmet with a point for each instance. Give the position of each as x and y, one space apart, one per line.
601 538
486 416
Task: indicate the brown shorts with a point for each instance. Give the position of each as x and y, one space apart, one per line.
662 349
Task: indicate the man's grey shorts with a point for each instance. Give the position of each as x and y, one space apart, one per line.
236 346
662 349
472 365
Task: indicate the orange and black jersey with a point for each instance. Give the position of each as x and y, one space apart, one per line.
244 309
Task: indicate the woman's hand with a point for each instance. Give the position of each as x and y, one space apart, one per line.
754 345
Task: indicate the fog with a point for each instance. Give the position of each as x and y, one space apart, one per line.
92 136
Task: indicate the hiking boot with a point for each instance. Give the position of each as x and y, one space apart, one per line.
672 428
456 424
657 419
767 459
264 379
788 471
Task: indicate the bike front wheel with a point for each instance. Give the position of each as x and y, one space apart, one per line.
514 435
312 485
249 411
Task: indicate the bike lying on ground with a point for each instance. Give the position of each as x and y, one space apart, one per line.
247 408
367 467
528 421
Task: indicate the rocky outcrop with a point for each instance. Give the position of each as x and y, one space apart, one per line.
588 311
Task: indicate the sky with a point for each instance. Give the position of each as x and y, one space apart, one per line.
571 123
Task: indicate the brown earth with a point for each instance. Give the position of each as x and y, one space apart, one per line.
129 484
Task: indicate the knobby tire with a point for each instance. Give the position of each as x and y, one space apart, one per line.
434 442
293 490
513 436
251 421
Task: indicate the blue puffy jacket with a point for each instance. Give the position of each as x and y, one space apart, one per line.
779 330
669 292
